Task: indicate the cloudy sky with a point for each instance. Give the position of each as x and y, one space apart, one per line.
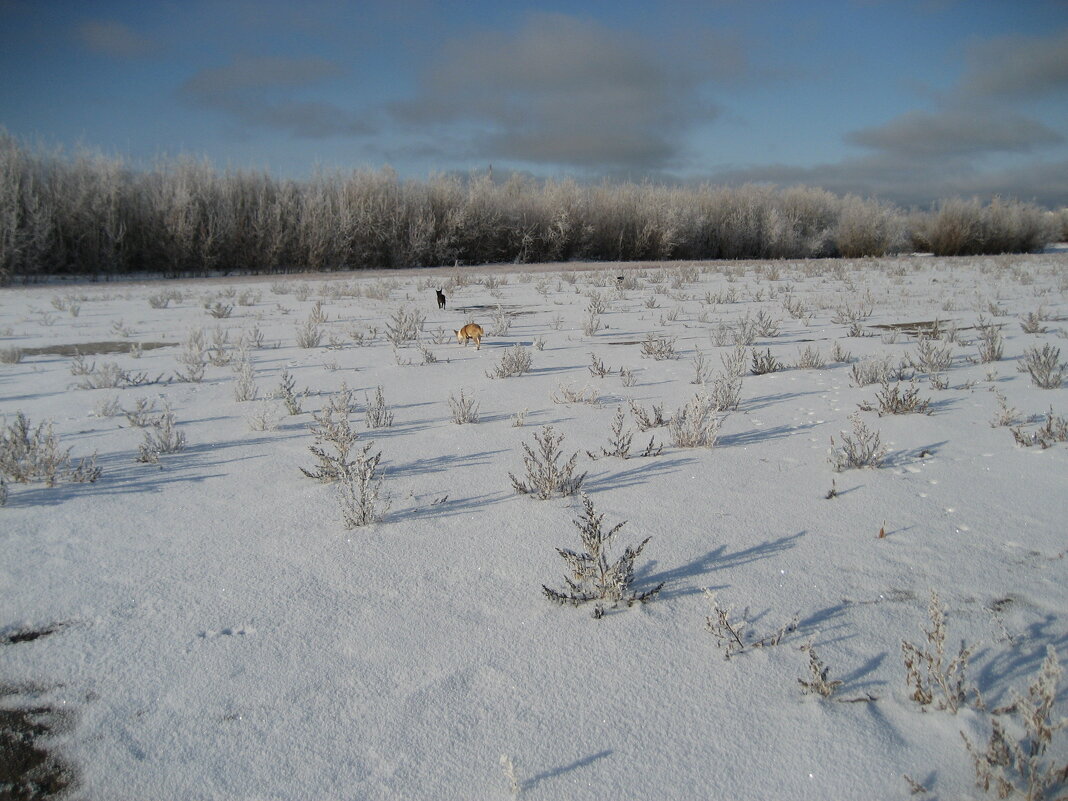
909 100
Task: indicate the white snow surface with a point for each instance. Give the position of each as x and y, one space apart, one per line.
222 635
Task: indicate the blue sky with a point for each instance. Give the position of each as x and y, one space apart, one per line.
907 100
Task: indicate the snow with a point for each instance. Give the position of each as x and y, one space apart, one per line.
223 635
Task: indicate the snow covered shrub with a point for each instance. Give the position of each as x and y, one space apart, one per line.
966 227
620 442
502 321
34 454
1043 366
568 393
647 420
591 576
378 414
262 418
1032 323
286 385
810 358
514 362
218 309
861 449
732 637
659 347
334 438
10 355
597 367
309 334
464 409
932 677
161 437
868 227
245 388
764 363
545 476
1055 429
892 400
1012 764
871 370
404 326
360 489
697 424
989 340
930 358
818 680
192 358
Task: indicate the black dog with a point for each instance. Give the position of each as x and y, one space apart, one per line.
441 298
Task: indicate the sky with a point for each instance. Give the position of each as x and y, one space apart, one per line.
906 100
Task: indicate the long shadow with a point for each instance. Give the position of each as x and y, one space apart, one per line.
763 401
448 507
900 458
553 773
756 435
1016 667
677 580
636 475
439 464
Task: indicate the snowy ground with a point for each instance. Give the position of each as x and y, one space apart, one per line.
217 632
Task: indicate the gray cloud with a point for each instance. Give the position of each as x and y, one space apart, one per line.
916 184
258 92
956 132
561 91
114 39
1018 67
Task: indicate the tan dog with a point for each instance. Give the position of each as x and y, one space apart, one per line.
469 332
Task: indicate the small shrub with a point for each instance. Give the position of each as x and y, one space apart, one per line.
464 409
567 393
34 454
1032 323
378 414
930 358
932 677
651 419
334 438
545 475
161 437
1005 414
245 388
591 576
404 326
514 362
764 363
360 493
892 400
1044 367
810 358
1055 429
697 424
597 367
659 347
218 309
862 448
285 391
192 358
990 344
872 370
818 680
309 335
1012 765
732 637
10 355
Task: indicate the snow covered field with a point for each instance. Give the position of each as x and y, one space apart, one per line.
210 628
